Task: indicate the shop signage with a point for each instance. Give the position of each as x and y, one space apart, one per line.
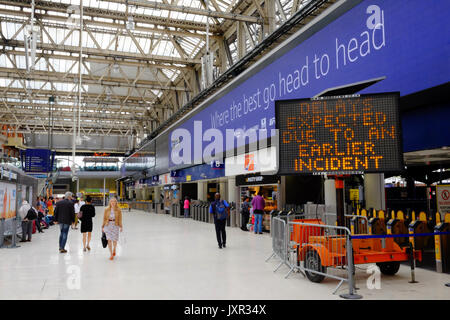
155 178
96 190
165 179
443 198
263 161
346 134
245 180
355 42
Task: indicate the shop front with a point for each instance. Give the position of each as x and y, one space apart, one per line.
250 185
169 192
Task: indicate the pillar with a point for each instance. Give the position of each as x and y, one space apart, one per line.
232 190
330 199
281 192
374 192
223 190
201 190
104 193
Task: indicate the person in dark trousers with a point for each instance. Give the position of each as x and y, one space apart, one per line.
221 210
258 205
186 207
245 212
39 216
87 212
64 216
26 224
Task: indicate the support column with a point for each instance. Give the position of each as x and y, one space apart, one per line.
374 192
330 198
269 11
241 41
281 192
201 190
104 193
223 190
232 190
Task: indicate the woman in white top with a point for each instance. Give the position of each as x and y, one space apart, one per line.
112 224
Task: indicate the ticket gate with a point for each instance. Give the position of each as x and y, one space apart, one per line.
420 224
377 223
194 211
397 225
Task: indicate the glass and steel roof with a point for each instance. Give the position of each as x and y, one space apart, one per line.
132 66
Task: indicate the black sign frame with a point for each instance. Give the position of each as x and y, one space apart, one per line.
279 104
266 179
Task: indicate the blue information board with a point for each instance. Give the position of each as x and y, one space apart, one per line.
37 160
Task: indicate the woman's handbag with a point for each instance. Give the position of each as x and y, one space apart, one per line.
104 240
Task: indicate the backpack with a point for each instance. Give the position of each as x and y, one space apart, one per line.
31 215
221 210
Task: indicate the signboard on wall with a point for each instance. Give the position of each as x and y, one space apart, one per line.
337 135
7 200
443 198
357 41
263 161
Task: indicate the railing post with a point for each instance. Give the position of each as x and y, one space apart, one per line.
350 268
412 263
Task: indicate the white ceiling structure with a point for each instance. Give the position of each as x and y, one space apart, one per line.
134 64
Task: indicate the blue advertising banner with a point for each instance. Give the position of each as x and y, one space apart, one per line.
37 160
200 172
404 43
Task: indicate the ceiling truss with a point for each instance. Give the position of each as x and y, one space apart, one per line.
141 60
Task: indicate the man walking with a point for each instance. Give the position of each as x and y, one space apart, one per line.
221 210
64 216
258 205
26 224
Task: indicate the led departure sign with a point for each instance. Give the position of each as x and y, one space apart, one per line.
346 134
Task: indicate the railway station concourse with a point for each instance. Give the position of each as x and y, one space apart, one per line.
231 150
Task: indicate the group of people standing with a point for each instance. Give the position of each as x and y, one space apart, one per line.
67 213
39 216
258 203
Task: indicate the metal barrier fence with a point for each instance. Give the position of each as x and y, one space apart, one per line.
319 247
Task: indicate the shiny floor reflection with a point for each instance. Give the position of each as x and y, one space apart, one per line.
161 257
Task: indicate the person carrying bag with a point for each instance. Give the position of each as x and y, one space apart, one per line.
221 210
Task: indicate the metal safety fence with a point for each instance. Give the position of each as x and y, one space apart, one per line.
313 248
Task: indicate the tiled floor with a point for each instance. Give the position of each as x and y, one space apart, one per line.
161 257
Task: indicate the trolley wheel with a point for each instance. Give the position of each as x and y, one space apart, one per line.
389 268
312 262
